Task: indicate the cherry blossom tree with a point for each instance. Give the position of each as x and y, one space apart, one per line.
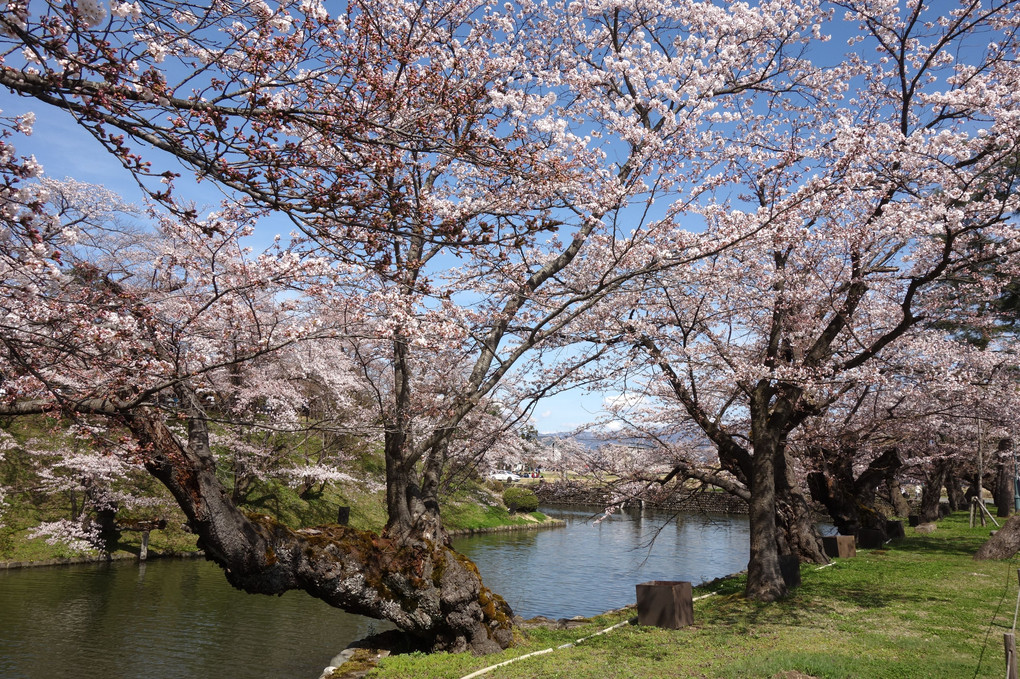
856 203
917 425
478 173
175 326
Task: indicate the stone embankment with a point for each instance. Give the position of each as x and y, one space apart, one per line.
583 493
98 558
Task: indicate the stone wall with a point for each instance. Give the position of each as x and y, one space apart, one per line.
709 501
580 493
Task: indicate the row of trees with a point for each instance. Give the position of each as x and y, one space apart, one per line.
491 203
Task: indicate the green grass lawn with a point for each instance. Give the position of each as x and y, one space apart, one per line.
920 608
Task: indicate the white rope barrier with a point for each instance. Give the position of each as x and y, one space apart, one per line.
631 621
505 662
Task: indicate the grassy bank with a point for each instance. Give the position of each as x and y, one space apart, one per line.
473 508
31 499
920 608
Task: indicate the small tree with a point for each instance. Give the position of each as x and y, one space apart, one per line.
519 499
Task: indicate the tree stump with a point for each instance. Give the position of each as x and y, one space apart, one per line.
870 538
839 546
665 603
894 529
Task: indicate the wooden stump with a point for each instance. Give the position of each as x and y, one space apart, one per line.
894 529
870 538
839 546
665 603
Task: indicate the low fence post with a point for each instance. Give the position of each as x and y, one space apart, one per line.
1010 642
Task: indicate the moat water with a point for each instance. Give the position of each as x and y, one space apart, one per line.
170 619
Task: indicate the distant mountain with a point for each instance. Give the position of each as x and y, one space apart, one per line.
595 440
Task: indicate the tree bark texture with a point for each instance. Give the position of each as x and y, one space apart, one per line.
1004 544
932 493
896 499
418 583
851 502
764 578
798 534
954 491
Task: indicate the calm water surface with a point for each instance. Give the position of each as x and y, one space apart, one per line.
180 619
167 619
585 569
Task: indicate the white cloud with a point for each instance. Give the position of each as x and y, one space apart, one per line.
623 401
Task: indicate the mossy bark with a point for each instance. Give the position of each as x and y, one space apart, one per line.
417 582
1004 544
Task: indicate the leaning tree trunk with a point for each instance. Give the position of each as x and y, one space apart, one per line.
838 501
420 584
1004 544
851 502
899 503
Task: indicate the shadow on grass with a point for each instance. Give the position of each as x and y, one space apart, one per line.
856 590
957 546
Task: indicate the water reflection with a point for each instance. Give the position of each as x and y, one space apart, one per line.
180 619
164 619
586 569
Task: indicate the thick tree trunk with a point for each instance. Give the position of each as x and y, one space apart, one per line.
899 503
851 502
1003 495
399 485
420 584
798 533
954 491
838 501
402 492
932 493
764 578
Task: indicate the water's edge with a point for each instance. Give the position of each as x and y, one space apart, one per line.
101 558
548 523
104 558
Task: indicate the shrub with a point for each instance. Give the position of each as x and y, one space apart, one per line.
520 500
